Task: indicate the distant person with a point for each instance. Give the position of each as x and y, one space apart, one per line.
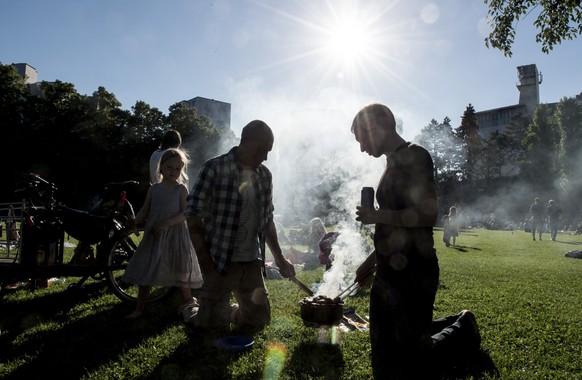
165 255
451 226
316 231
407 271
171 139
554 213
536 213
230 217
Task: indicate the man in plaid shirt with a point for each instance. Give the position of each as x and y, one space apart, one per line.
230 217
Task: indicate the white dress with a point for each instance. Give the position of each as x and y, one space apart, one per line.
168 258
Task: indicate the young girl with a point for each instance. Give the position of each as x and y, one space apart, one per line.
451 227
165 256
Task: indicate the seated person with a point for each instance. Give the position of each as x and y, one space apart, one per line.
316 232
325 247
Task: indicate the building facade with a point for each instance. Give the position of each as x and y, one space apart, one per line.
529 80
218 112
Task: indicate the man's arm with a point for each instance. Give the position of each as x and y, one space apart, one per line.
196 230
285 267
365 270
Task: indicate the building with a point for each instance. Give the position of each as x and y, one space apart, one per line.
529 98
218 112
30 75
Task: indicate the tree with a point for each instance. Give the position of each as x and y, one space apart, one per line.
569 117
200 137
557 20
446 151
13 93
513 148
13 102
468 133
541 142
493 160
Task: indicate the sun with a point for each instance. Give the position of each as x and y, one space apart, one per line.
343 42
353 40
348 41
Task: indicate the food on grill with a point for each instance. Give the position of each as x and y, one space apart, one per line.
322 300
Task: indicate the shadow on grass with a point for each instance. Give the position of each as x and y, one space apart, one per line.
463 248
479 366
196 358
568 242
39 333
317 360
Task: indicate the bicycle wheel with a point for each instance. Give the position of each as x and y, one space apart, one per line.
120 252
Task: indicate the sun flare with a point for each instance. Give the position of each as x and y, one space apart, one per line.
354 41
347 42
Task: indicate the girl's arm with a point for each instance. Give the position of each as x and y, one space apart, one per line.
145 209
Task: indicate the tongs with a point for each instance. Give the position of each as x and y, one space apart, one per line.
345 292
304 287
354 285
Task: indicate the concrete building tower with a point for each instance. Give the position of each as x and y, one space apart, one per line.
529 87
218 112
26 71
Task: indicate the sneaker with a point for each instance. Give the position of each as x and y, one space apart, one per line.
189 309
470 318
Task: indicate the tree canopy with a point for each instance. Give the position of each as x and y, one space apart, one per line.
82 142
557 20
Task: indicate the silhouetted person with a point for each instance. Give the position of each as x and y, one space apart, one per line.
230 216
404 345
554 213
451 226
536 212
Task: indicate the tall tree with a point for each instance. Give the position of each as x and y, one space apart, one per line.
513 148
541 142
492 160
13 94
13 103
569 118
557 20
468 132
446 151
144 123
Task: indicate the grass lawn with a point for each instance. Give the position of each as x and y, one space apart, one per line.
526 295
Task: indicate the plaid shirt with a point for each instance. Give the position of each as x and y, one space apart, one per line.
215 198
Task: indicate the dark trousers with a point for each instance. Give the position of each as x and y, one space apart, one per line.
401 304
406 342
554 230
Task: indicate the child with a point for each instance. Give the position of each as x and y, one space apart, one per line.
166 256
451 227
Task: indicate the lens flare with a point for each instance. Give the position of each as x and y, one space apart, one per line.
275 359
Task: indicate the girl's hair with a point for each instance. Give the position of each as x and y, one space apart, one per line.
171 139
184 157
453 210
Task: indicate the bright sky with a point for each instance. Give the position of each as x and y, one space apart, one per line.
274 59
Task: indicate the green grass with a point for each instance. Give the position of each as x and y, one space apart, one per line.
526 295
